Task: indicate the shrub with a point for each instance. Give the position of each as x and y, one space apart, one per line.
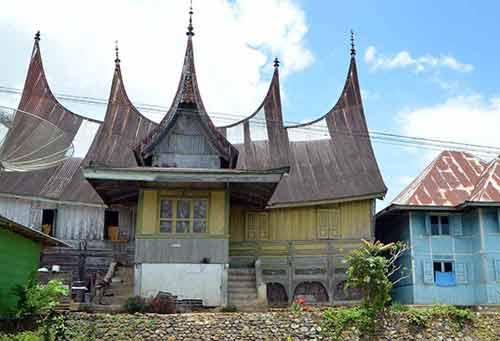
335 321
298 306
370 270
229 309
38 299
137 304
422 317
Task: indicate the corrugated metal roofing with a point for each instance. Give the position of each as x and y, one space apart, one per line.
61 182
123 127
453 178
340 166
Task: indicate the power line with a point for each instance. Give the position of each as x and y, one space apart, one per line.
305 128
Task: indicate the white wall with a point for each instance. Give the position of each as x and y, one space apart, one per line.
187 281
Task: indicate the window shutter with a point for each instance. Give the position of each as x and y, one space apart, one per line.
263 226
251 226
323 223
428 272
334 220
456 223
461 273
427 224
497 268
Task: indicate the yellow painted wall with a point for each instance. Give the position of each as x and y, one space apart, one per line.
148 210
300 223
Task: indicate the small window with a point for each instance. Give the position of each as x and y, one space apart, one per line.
443 274
49 222
440 225
183 215
111 223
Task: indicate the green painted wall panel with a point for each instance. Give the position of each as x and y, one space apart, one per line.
19 256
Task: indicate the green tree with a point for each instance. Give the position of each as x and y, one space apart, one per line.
372 269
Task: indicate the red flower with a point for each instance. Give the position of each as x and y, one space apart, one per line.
301 301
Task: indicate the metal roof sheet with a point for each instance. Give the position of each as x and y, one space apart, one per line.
453 178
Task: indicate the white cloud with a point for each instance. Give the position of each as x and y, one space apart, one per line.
467 119
404 59
235 43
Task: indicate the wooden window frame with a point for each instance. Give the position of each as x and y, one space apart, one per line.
191 218
334 230
258 232
440 225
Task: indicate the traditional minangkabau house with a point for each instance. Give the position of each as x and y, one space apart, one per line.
450 216
251 212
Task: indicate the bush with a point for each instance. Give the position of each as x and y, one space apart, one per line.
229 309
335 321
35 300
370 270
422 317
137 304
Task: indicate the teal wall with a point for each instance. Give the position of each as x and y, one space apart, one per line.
19 256
473 247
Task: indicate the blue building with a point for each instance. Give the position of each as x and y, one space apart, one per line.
450 217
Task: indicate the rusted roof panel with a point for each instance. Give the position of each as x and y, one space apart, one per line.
451 179
488 186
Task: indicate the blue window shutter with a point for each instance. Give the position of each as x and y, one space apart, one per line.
428 272
461 273
497 268
456 223
427 224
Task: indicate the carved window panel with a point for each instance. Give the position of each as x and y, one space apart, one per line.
183 215
329 223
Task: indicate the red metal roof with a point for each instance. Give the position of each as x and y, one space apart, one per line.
451 179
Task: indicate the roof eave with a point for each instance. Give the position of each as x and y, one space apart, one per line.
163 175
379 195
32 233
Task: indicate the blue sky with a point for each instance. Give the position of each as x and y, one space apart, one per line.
426 68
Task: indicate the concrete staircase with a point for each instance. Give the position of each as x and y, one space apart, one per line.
242 289
121 288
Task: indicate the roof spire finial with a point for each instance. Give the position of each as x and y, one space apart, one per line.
37 36
353 48
190 32
117 55
276 62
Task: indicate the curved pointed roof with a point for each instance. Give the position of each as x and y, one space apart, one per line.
123 127
341 167
269 148
65 181
188 98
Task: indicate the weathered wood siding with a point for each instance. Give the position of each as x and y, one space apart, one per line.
73 222
301 223
149 207
17 210
185 146
79 222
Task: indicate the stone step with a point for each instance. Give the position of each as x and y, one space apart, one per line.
241 284
233 297
241 271
242 277
242 290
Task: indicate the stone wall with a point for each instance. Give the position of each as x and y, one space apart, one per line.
264 326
